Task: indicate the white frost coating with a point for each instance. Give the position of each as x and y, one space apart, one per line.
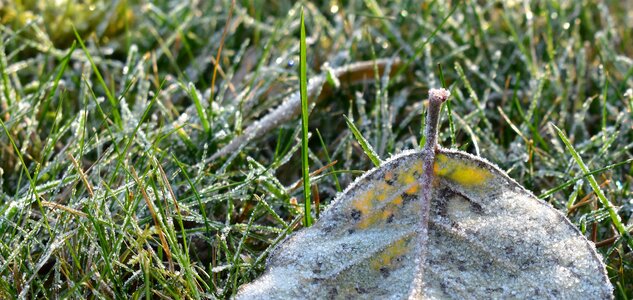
492 240
439 94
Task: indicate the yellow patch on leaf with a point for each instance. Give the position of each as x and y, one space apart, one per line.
364 202
384 190
397 200
459 172
389 254
412 190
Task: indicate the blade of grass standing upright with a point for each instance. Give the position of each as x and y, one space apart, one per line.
303 86
5 77
451 125
202 114
329 161
113 102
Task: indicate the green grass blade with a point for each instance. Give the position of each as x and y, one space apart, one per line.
615 218
203 209
473 95
133 135
303 85
369 151
603 120
62 69
31 180
439 68
329 161
571 181
5 76
113 102
419 49
449 109
193 93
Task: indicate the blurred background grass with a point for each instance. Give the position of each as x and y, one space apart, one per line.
107 189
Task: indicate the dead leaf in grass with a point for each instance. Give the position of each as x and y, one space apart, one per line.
485 237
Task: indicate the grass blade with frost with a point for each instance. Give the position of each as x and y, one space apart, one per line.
615 218
113 102
369 151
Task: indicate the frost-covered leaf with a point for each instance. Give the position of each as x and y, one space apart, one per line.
485 237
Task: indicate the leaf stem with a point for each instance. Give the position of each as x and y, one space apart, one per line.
436 98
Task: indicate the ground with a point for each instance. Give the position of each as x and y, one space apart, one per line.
111 113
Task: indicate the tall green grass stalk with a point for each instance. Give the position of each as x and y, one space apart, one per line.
305 164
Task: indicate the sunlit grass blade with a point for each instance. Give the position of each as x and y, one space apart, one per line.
603 123
571 181
305 164
615 218
369 151
473 95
